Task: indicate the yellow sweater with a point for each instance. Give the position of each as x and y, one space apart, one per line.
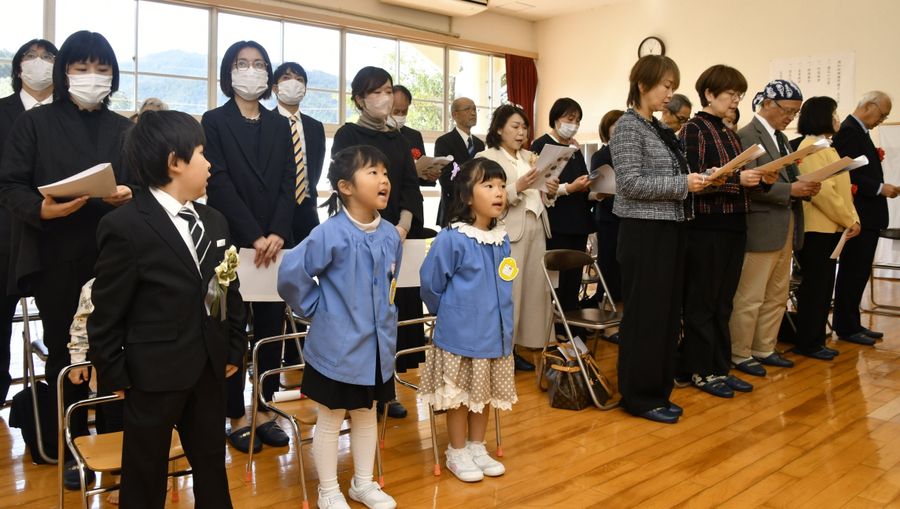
832 209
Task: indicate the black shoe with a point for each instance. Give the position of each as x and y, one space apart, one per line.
751 367
240 440
675 409
859 338
71 479
775 359
872 334
612 338
660 414
738 384
820 354
832 351
713 385
521 364
272 434
682 381
396 410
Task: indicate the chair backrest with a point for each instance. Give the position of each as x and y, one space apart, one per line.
566 259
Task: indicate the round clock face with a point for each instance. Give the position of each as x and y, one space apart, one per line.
651 46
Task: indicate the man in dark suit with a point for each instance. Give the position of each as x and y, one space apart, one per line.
158 335
459 143
870 194
402 100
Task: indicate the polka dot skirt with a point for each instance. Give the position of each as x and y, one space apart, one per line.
449 380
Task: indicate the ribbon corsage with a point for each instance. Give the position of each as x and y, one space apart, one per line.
226 272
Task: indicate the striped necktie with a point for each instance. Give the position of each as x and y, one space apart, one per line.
300 183
198 233
470 146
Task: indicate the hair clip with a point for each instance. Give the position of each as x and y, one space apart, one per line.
454 172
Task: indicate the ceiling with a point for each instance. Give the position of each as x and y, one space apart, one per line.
537 10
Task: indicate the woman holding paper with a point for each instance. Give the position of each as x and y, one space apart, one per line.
717 236
527 226
827 217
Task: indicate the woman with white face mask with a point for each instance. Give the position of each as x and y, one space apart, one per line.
54 240
252 183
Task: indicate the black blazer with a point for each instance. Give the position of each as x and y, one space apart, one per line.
10 108
852 141
451 144
48 144
603 209
305 215
254 191
150 329
405 192
571 214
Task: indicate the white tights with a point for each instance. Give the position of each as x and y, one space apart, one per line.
363 441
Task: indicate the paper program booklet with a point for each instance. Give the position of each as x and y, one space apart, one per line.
97 182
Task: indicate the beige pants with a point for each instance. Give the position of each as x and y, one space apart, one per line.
760 301
531 296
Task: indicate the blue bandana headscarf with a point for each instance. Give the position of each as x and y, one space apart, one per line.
778 90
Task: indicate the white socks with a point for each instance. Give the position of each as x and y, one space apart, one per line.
363 441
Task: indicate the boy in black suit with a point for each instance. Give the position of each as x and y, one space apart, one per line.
156 335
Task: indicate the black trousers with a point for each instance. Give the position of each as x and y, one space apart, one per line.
814 294
852 278
268 319
712 272
7 311
569 280
651 254
607 242
149 418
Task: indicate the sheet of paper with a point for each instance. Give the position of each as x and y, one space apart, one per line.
604 180
840 246
739 161
97 182
794 157
258 284
414 252
289 395
838 167
429 168
550 164
568 349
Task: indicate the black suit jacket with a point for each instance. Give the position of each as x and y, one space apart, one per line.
305 215
852 141
255 192
10 108
603 208
150 329
451 144
571 214
48 144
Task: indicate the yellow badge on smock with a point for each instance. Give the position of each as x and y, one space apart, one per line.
508 269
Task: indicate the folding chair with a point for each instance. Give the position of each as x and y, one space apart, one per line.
596 319
295 410
100 453
877 307
428 320
30 378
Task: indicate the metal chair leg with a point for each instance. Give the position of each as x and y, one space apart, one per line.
384 419
497 431
434 444
380 466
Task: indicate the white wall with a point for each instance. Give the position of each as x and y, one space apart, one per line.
587 55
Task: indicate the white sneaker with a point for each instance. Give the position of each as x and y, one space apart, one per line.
459 461
488 465
371 495
334 500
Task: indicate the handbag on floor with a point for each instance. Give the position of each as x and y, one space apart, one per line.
566 386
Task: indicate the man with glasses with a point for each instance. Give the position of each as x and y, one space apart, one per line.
459 143
774 229
870 194
677 112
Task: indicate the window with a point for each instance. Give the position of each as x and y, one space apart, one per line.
481 78
318 50
15 30
422 72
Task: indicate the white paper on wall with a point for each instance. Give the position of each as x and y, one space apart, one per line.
833 75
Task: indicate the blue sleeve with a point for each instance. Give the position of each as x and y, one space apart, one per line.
437 269
298 268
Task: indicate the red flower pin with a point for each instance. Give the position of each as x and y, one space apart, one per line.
416 153
853 189
880 154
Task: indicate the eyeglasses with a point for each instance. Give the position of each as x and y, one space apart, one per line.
791 112
243 65
735 96
884 115
46 57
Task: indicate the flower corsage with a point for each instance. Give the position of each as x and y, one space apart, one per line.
226 272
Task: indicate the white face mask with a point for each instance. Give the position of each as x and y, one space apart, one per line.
567 129
249 84
291 91
89 89
396 121
37 74
379 105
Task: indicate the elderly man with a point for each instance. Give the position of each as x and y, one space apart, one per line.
870 194
774 229
459 143
677 112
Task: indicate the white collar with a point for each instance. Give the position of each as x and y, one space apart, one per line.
171 205
495 235
858 121
465 136
366 227
287 114
765 123
30 102
515 159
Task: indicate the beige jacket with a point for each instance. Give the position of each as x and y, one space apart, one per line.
515 214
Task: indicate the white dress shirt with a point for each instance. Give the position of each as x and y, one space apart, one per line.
172 207
769 129
532 197
30 102
287 114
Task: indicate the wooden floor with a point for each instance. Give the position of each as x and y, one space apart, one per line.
823 434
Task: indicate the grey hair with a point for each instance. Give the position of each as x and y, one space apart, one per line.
871 97
678 102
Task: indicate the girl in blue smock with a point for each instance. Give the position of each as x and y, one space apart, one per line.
467 282
352 338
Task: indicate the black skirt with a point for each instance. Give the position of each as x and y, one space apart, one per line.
336 395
